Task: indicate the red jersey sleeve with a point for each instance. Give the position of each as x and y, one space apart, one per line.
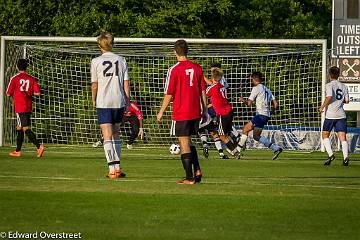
134 108
202 81
36 87
11 88
170 81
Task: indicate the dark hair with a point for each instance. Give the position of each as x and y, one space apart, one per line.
22 64
334 72
257 75
215 65
181 48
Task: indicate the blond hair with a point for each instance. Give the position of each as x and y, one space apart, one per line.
216 74
105 41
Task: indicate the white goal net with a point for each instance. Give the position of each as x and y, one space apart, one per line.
293 69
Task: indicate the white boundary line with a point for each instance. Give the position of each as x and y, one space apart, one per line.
172 181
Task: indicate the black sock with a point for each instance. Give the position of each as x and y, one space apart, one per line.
230 145
32 138
186 161
19 139
195 158
221 151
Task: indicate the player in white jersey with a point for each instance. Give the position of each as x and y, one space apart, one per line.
110 95
264 100
335 117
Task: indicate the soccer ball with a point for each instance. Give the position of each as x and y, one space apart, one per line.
174 149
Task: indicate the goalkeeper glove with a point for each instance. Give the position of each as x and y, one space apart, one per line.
141 133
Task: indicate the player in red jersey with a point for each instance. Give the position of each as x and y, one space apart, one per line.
185 85
223 109
135 118
22 87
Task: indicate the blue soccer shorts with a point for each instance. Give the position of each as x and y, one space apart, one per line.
110 115
259 121
339 125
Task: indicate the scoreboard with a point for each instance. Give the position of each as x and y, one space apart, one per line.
345 50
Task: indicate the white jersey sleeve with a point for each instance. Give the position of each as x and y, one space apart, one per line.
254 93
93 71
125 70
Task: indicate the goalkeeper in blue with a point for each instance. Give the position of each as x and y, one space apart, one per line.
335 117
264 101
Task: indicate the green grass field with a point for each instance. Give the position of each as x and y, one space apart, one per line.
294 197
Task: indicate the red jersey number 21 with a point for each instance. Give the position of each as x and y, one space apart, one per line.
24 85
190 72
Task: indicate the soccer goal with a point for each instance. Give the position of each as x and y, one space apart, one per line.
295 71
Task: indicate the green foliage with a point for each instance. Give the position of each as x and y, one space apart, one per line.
162 18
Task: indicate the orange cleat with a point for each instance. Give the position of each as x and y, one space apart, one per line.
15 154
186 182
40 151
112 175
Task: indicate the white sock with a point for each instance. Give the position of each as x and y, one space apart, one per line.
345 149
109 154
234 132
268 144
203 140
218 145
117 148
327 146
242 140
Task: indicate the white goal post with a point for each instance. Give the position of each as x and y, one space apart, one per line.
293 68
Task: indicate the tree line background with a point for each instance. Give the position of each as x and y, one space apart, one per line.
164 18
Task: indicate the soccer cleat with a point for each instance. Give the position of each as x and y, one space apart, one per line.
237 154
96 144
15 154
112 175
186 182
277 153
206 152
129 146
40 151
198 176
120 174
346 162
329 160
